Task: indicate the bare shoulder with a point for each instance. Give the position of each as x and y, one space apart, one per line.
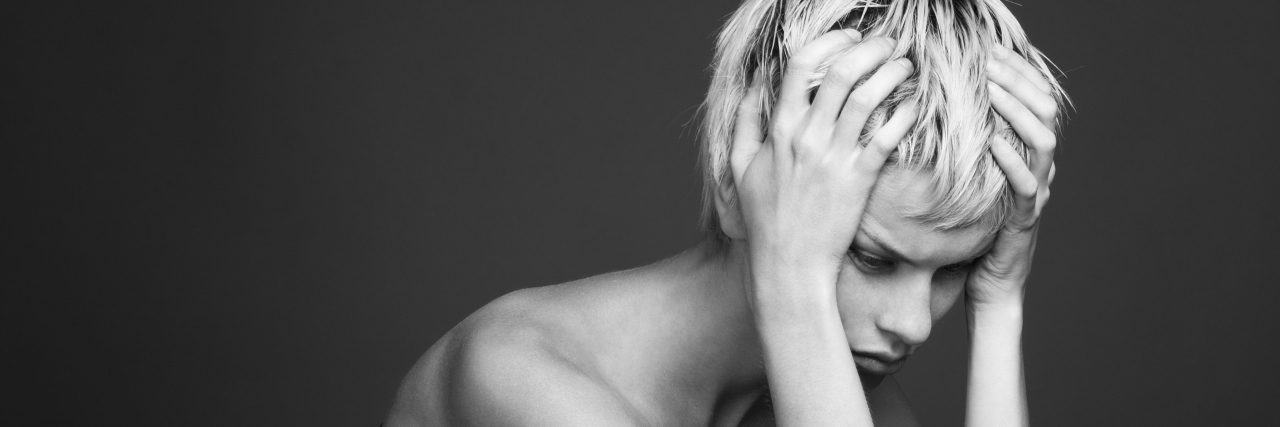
511 363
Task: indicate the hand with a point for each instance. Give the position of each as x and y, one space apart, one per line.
802 187
1024 98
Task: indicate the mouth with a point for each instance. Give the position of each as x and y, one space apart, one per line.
878 363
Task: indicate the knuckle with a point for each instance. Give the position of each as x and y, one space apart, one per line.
1013 76
1043 107
1046 115
804 148
836 38
805 61
895 71
861 102
844 73
854 35
882 145
867 165
828 167
998 71
1048 141
1026 191
883 44
1050 109
803 151
870 52
899 67
799 65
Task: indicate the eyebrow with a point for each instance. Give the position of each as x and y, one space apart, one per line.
895 253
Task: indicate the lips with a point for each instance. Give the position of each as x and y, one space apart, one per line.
878 363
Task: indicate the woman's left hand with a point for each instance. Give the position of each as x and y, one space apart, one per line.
1023 97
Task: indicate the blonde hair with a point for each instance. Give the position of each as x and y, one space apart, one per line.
948 41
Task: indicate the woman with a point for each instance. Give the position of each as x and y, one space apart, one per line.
866 165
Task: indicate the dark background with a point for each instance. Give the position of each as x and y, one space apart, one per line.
261 213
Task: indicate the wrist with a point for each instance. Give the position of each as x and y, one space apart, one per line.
996 297
792 271
791 255
1003 306
797 295
1005 316
792 287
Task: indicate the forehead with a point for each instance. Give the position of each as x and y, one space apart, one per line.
888 219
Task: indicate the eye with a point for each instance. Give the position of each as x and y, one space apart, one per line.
956 269
871 263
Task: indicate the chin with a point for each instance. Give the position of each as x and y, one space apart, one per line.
869 380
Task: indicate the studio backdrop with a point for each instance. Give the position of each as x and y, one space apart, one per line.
261 213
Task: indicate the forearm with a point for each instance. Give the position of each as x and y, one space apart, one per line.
997 388
811 374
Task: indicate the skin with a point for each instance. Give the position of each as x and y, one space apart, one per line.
823 287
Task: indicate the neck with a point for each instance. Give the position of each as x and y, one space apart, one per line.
716 348
708 338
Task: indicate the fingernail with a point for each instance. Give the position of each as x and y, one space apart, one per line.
1000 51
906 63
857 36
995 91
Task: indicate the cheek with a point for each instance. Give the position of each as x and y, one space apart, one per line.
858 301
855 299
944 297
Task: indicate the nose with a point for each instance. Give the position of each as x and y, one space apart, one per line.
908 317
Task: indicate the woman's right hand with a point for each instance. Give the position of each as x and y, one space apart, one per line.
802 186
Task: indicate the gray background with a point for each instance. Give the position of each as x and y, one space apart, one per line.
261 213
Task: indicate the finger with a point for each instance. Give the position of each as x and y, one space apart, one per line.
864 100
1039 138
844 74
1023 67
1038 102
1042 197
748 134
1021 180
794 90
869 160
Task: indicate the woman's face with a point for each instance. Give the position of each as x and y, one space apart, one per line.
901 275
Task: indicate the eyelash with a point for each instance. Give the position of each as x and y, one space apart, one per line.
871 263
874 264
957 268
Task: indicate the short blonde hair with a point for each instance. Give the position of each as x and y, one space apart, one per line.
947 40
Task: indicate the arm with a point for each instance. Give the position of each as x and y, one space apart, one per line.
997 390
801 191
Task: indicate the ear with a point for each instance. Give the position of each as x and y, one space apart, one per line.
728 212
